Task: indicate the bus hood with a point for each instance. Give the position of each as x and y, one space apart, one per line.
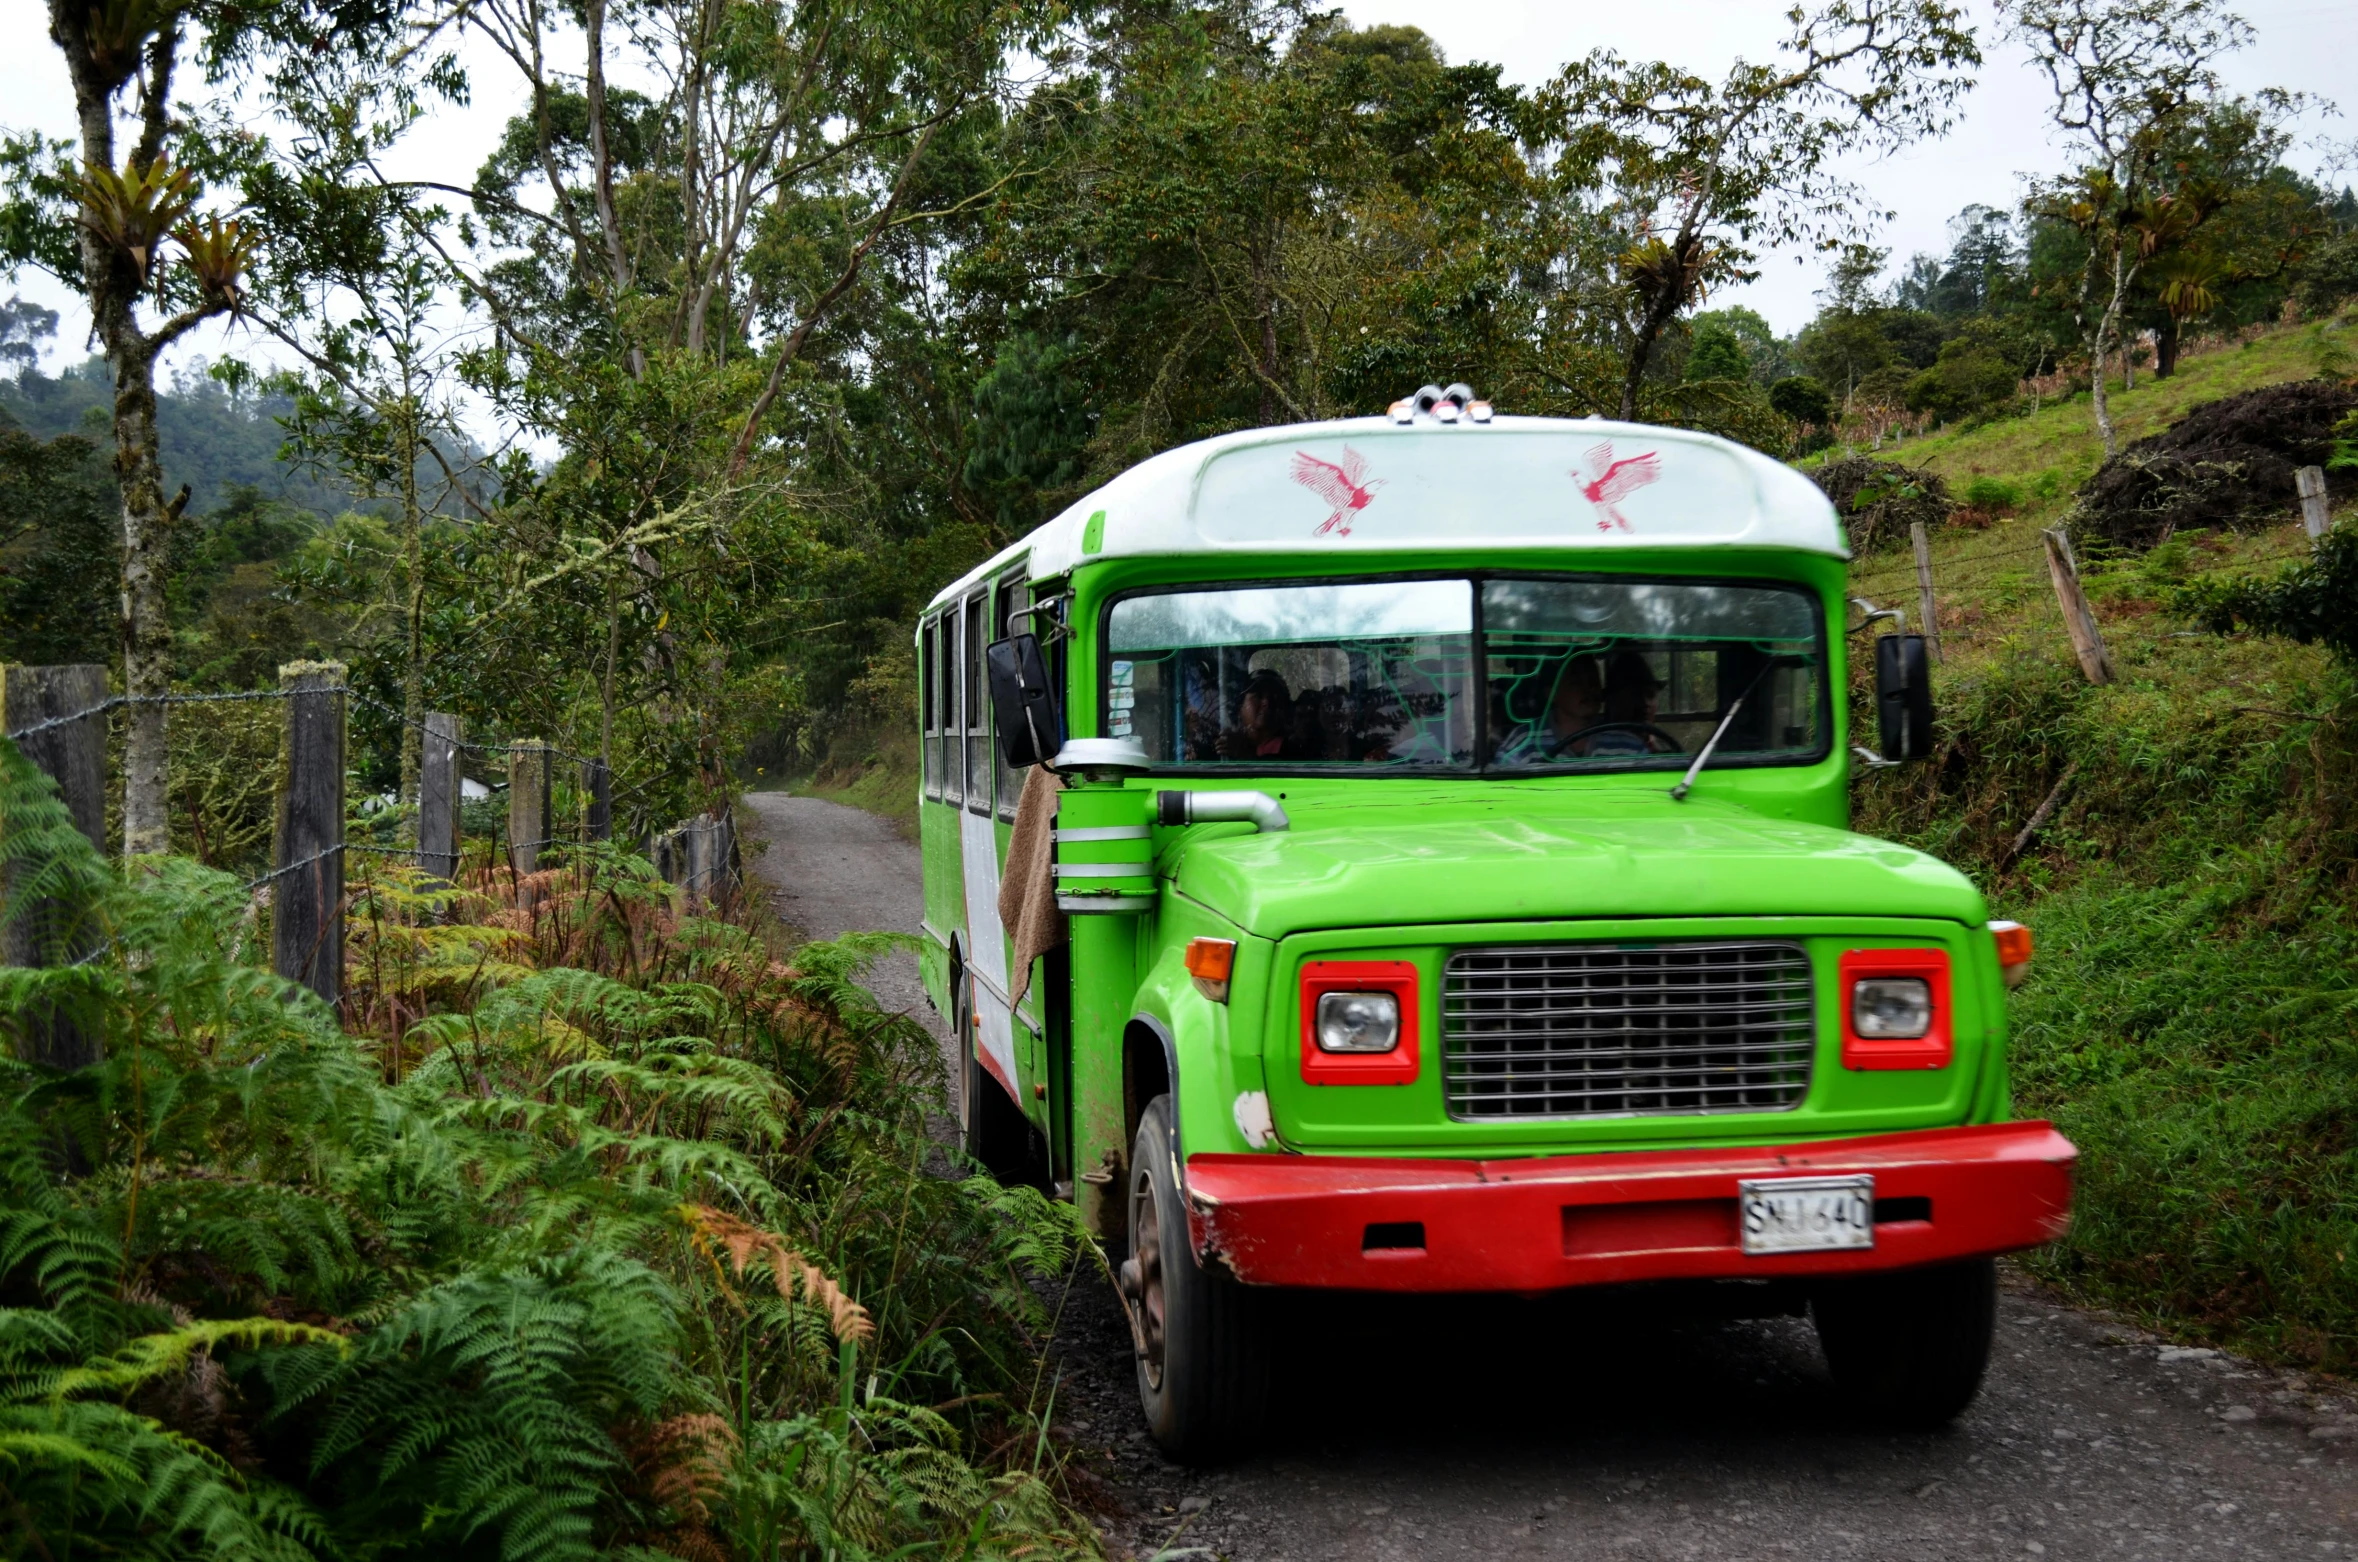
1536 856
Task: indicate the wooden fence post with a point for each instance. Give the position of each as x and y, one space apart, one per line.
528 804
1923 542
597 786
698 838
440 791
307 848
2086 640
2310 482
74 756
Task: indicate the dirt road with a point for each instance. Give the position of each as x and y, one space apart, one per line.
1507 1429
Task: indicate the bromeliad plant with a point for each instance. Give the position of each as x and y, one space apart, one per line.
647 1254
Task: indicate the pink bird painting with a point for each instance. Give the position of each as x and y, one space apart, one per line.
1347 488
1608 481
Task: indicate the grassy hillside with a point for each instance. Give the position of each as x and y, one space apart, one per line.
2054 450
2189 1017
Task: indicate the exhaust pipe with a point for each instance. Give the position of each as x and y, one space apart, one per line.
1257 808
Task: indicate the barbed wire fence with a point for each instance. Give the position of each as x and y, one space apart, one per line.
58 718
2016 588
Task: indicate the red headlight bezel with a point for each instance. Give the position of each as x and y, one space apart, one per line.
1399 1066
1936 1048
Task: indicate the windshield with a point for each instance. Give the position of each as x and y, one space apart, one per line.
1578 674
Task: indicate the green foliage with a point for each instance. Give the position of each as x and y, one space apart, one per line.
1032 429
1993 495
1717 353
1967 378
2314 602
59 530
1803 399
507 1273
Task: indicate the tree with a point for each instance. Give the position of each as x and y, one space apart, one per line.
373 412
1717 353
121 215
1699 173
2126 77
1803 400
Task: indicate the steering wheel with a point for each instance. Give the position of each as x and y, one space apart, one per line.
1557 748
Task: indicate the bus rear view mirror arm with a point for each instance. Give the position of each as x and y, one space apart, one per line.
1259 809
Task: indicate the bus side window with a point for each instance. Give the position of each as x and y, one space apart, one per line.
1013 599
978 721
950 751
929 662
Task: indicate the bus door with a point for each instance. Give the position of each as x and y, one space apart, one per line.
978 851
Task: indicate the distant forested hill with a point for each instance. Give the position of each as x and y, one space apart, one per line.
212 440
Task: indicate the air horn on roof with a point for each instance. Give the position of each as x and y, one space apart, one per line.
1442 406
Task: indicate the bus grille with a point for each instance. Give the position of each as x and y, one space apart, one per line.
1586 1030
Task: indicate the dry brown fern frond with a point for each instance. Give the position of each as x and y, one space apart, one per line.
681 1466
716 1232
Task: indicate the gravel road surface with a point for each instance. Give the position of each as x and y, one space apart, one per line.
830 870
1488 1428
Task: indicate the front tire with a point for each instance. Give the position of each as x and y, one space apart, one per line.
1909 1348
1201 1338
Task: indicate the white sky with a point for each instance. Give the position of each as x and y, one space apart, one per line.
2305 45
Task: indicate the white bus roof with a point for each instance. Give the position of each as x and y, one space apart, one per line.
1361 486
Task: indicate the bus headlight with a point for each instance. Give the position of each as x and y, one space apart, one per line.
1891 1008
1358 1022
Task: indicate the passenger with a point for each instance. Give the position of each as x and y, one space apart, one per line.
1264 719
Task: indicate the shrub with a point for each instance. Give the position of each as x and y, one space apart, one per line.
1966 379
2314 602
1994 495
1802 399
1879 500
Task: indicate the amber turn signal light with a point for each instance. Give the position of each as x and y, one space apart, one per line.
2014 950
1209 961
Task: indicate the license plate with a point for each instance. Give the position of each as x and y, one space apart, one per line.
1805 1214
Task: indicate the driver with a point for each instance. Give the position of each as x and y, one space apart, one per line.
1632 694
1575 706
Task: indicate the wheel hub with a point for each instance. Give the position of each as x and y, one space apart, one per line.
1142 1277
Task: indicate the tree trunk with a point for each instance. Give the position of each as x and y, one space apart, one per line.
112 283
1659 308
2165 348
2107 326
413 566
602 173
147 619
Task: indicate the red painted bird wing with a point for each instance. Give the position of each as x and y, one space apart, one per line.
1325 479
1624 478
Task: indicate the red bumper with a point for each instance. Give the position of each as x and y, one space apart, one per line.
1375 1224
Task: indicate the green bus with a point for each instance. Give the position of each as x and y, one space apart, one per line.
1446 819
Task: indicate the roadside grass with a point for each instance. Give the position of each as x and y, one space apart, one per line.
870 769
2189 1019
2207 1070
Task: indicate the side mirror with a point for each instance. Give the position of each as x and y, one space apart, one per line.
1031 728
1903 696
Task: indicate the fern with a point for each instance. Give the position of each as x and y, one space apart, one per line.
612 1231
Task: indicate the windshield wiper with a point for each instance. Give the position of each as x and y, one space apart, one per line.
1686 784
